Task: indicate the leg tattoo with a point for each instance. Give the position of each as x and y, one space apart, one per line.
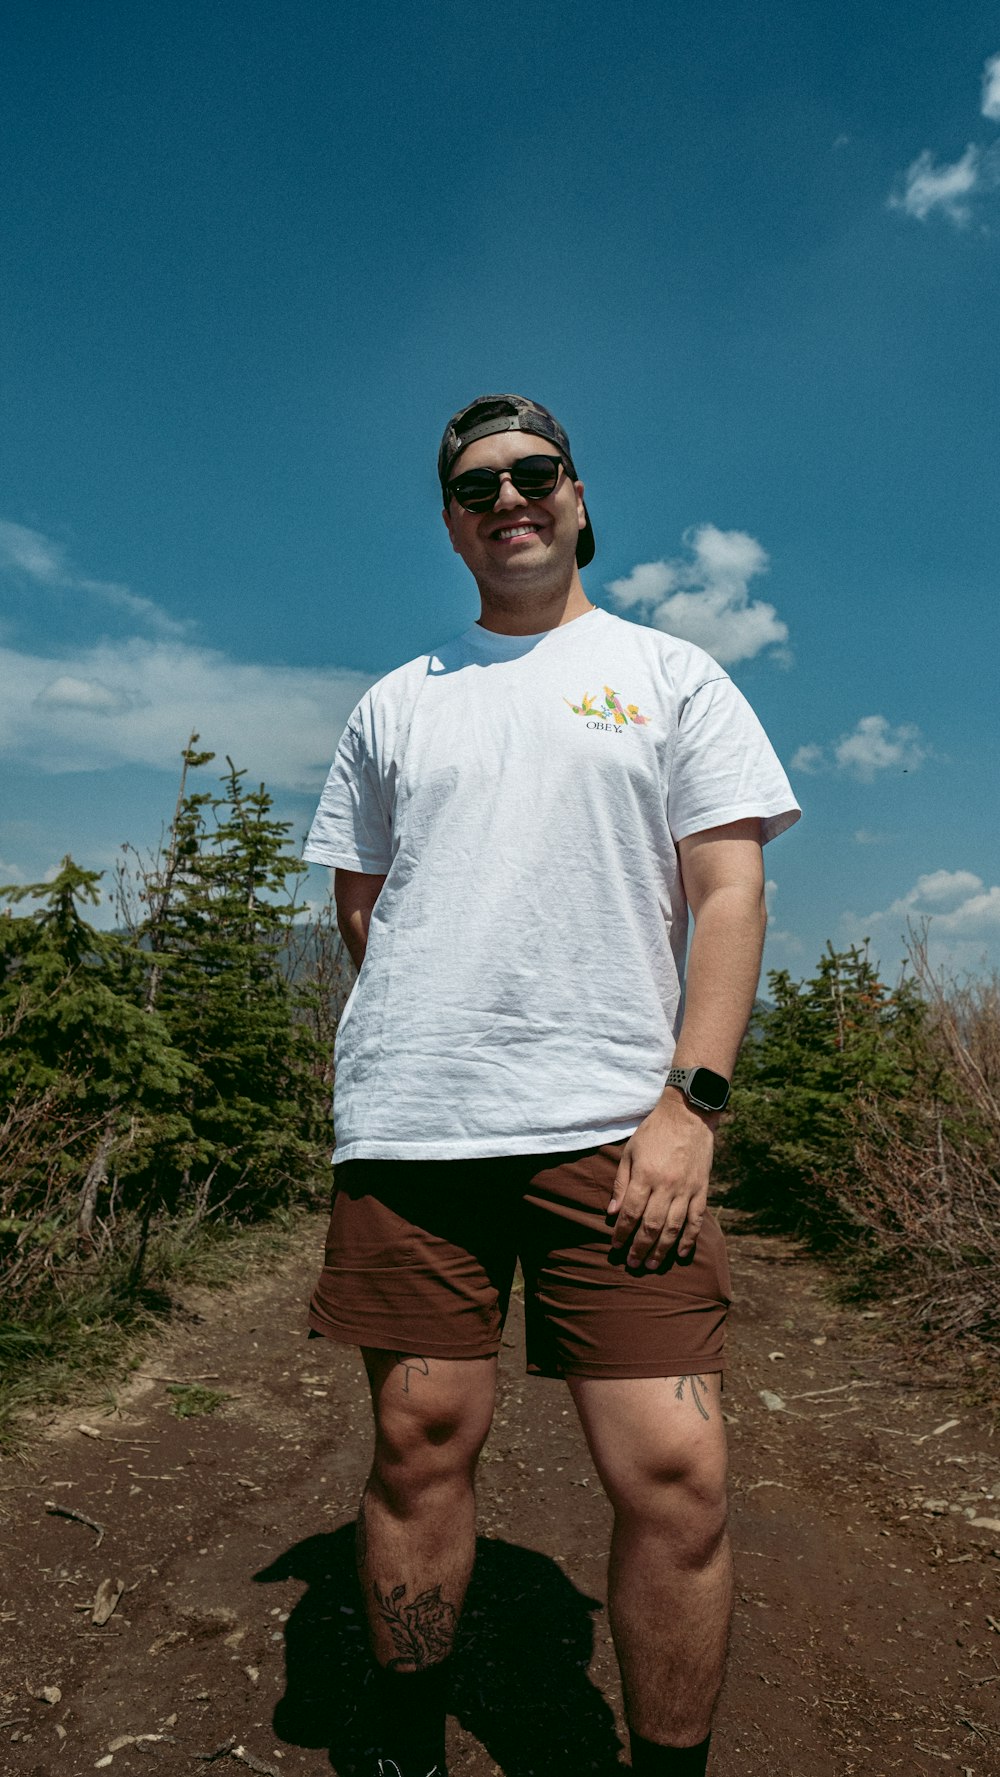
408 1363
696 1383
422 1632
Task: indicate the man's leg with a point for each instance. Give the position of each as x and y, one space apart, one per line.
659 1447
417 1536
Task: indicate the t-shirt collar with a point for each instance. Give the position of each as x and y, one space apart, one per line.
494 646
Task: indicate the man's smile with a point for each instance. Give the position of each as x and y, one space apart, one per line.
509 532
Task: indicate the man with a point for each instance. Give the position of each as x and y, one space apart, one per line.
519 824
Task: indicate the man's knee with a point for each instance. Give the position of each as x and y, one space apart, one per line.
432 1417
682 1503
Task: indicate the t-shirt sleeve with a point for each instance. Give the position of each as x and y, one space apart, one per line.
724 767
352 829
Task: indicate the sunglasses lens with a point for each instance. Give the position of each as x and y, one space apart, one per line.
534 477
477 491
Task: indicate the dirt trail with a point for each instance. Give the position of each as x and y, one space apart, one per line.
866 1518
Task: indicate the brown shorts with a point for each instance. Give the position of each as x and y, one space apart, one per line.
420 1257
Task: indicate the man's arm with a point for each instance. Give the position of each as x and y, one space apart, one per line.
355 895
661 1190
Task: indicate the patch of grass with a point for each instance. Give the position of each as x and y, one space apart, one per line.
189 1400
96 1327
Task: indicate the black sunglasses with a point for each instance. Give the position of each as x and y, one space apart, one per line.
478 490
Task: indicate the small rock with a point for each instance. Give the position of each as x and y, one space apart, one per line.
106 1601
937 1507
820 1339
985 1523
773 1402
775 1355
47 1693
170 1639
253 1673
100 1763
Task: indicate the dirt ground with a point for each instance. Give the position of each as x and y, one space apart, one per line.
866 1515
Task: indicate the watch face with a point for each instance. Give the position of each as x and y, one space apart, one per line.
708 1090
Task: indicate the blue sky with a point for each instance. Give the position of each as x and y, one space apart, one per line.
255 255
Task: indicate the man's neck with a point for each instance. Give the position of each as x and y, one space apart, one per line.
530 615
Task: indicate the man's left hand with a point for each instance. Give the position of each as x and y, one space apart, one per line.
661 1188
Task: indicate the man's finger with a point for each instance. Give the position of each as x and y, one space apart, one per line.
677 1233
689 1235
650 1233
621 1184
652 1253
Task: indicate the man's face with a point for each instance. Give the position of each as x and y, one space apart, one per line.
519 537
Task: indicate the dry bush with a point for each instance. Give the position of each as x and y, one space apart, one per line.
40 1147
926 1185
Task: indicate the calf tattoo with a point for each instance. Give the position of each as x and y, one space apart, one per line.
697 1382
422 1632
408 1363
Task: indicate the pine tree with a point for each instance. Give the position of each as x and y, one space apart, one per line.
75 1037
813 1053
218 917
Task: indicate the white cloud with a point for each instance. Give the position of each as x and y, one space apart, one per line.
135 702
46 564
776 939
876 746
942 889
926 187
991 89
960 913
808 758
705 599
949 188
67 693
873 746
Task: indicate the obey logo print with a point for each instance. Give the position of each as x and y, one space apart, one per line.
611 715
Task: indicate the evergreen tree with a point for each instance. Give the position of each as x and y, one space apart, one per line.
75 1037
812 1055
219 912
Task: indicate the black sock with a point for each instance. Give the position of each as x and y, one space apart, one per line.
651 1760
411 1709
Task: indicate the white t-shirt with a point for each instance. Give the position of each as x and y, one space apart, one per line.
524 795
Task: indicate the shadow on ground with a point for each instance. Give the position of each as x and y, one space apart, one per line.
521 1686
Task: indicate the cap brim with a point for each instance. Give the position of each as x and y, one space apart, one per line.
585 543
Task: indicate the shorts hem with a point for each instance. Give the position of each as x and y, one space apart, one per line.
630 1369
375 1339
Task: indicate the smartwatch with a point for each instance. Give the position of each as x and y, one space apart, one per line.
705 1090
